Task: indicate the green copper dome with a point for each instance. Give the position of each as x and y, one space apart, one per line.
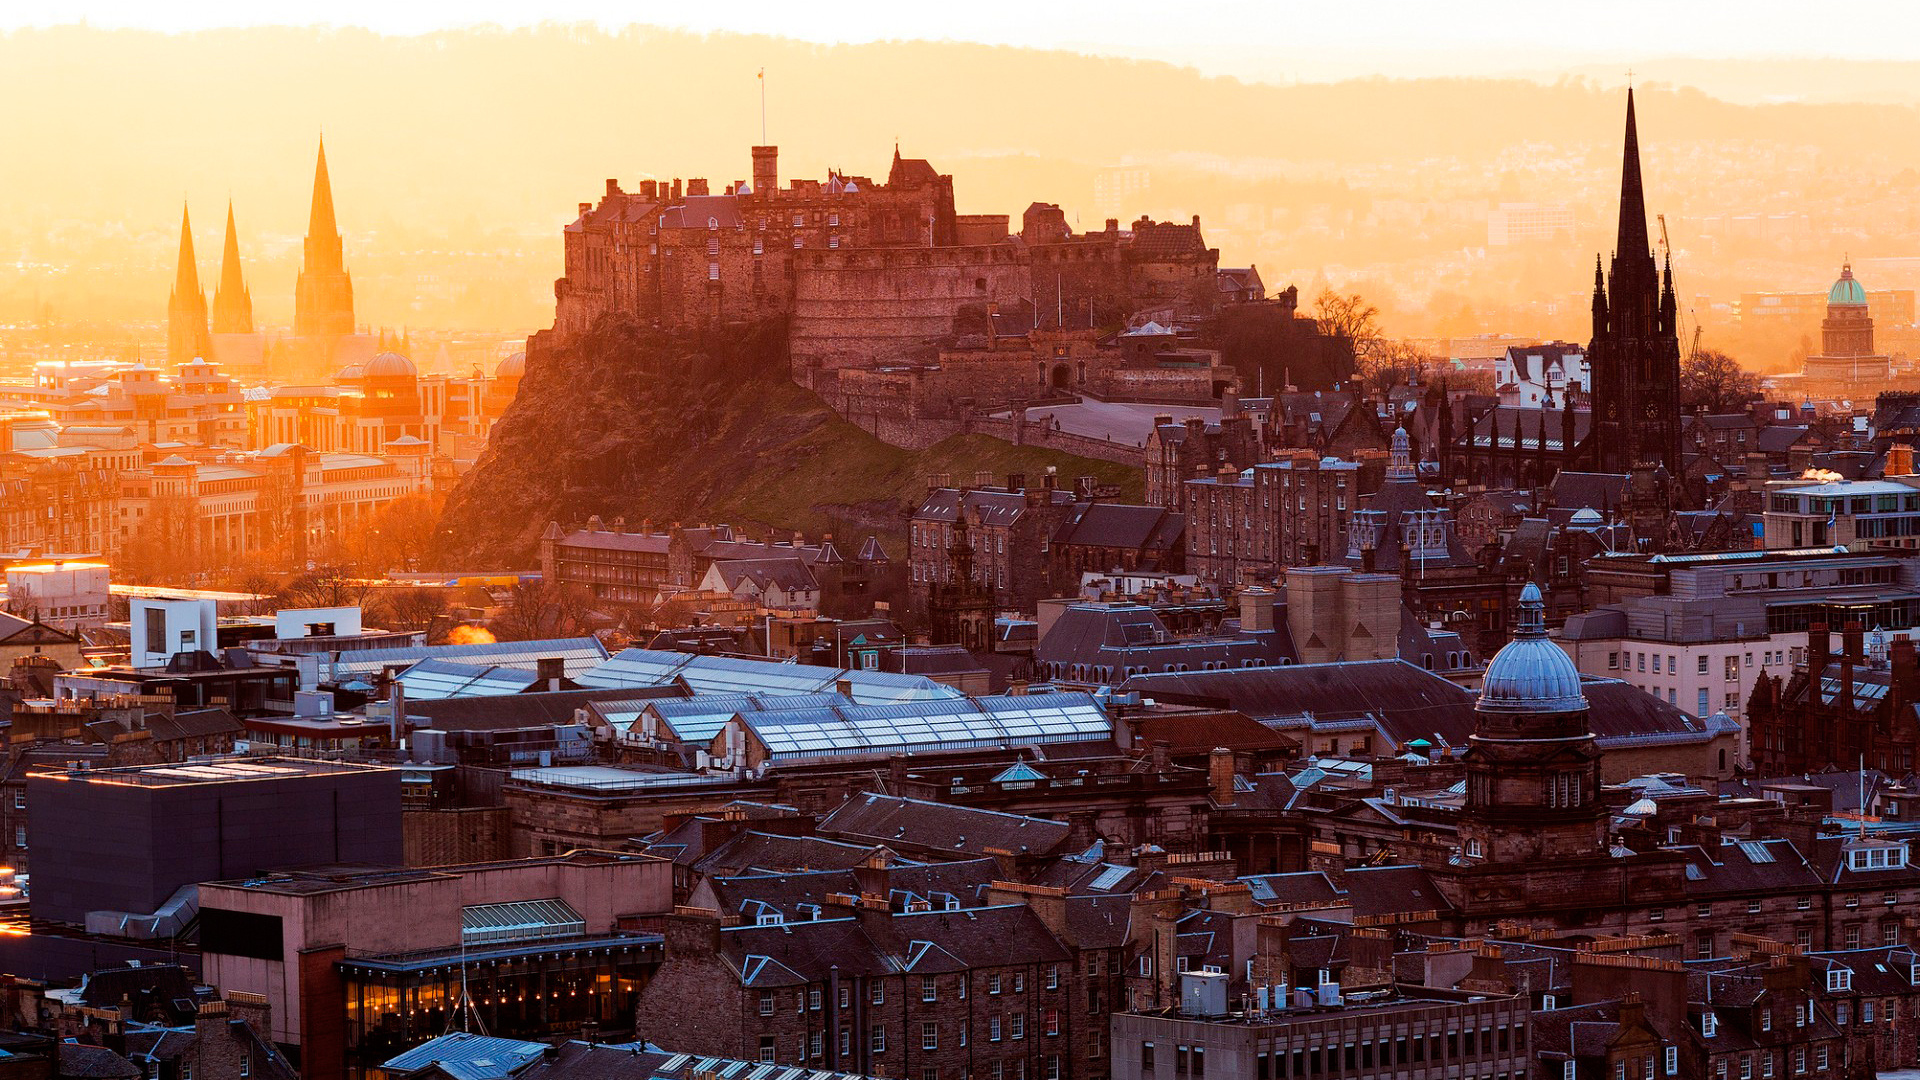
1847 290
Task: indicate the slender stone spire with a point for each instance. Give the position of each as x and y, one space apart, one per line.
187 338
323 295
320 221
232 303
1633 202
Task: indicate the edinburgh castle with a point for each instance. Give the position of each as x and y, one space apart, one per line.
898 306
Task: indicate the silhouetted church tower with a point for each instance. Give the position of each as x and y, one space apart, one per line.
232 304
1635 354
323 296
187 338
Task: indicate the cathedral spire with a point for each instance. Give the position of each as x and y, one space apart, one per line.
187 338
1633 204
320 222
232 304
186 274
323 294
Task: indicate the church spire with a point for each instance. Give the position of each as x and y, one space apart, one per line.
323 294
320 222
232 304
1632 241
186 274
187 338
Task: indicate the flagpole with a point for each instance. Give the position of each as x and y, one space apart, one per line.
763 106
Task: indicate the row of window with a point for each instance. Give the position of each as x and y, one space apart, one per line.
810 1048
812 999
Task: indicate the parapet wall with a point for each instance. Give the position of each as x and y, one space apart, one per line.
860 307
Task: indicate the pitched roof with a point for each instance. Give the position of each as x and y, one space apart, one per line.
912 824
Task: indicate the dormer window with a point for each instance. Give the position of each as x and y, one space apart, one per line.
1839 978
1709 1025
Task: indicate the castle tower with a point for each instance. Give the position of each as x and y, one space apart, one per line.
323 295
187 338
1635 353
1533 768
232 303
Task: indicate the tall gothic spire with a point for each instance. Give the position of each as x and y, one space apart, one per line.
187 338
232 303
323 295
186 274
320 222
1633 204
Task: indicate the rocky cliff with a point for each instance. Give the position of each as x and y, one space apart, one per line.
627 422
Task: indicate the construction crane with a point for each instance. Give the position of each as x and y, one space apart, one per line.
1666 249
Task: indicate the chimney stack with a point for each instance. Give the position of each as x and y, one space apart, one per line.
1220 774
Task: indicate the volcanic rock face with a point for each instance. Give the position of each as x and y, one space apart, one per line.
629 422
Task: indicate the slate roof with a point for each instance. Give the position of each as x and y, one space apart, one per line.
1127 635
1407 702
1119 525
194 724
1199 733
994 507
772 853
789 573
512 711
925 942
913 824
1747 866
1595 491
91 1062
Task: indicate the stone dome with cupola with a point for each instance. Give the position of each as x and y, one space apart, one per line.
1531 674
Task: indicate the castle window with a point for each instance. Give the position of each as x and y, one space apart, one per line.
713 223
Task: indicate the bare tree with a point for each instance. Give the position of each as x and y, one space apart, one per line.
333 585
1714 381
537 610
1347 316
411 609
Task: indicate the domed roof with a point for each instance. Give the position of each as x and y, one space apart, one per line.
1846 290
1531 674
390 365
350 373
513 367
1642 808
1586 516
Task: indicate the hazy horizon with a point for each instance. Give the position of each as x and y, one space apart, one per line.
457 156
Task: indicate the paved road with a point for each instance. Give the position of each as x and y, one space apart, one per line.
1113 421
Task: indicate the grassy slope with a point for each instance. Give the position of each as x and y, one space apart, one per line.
626 424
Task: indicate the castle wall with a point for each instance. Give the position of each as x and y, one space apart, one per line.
852 308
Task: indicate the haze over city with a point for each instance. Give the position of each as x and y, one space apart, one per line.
1319 152
1007 541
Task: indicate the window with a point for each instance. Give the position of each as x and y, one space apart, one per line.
1703 665
1804 903
1673 1060
879 1043
1199 1061
1567 1069
993 983
1766 1020
846 997
927 988
813 999
1820 1059
1053 1021
766 1004
1866 1012
1709 1025
766 1048
1146 1057
1053 974
1753 907
813 1045
879 995
1053 1067
929 1035
19 798
846 1041
1019 982
1017 1026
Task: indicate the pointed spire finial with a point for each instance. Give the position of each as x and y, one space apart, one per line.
1633 204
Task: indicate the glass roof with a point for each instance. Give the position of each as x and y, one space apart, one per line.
519 920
